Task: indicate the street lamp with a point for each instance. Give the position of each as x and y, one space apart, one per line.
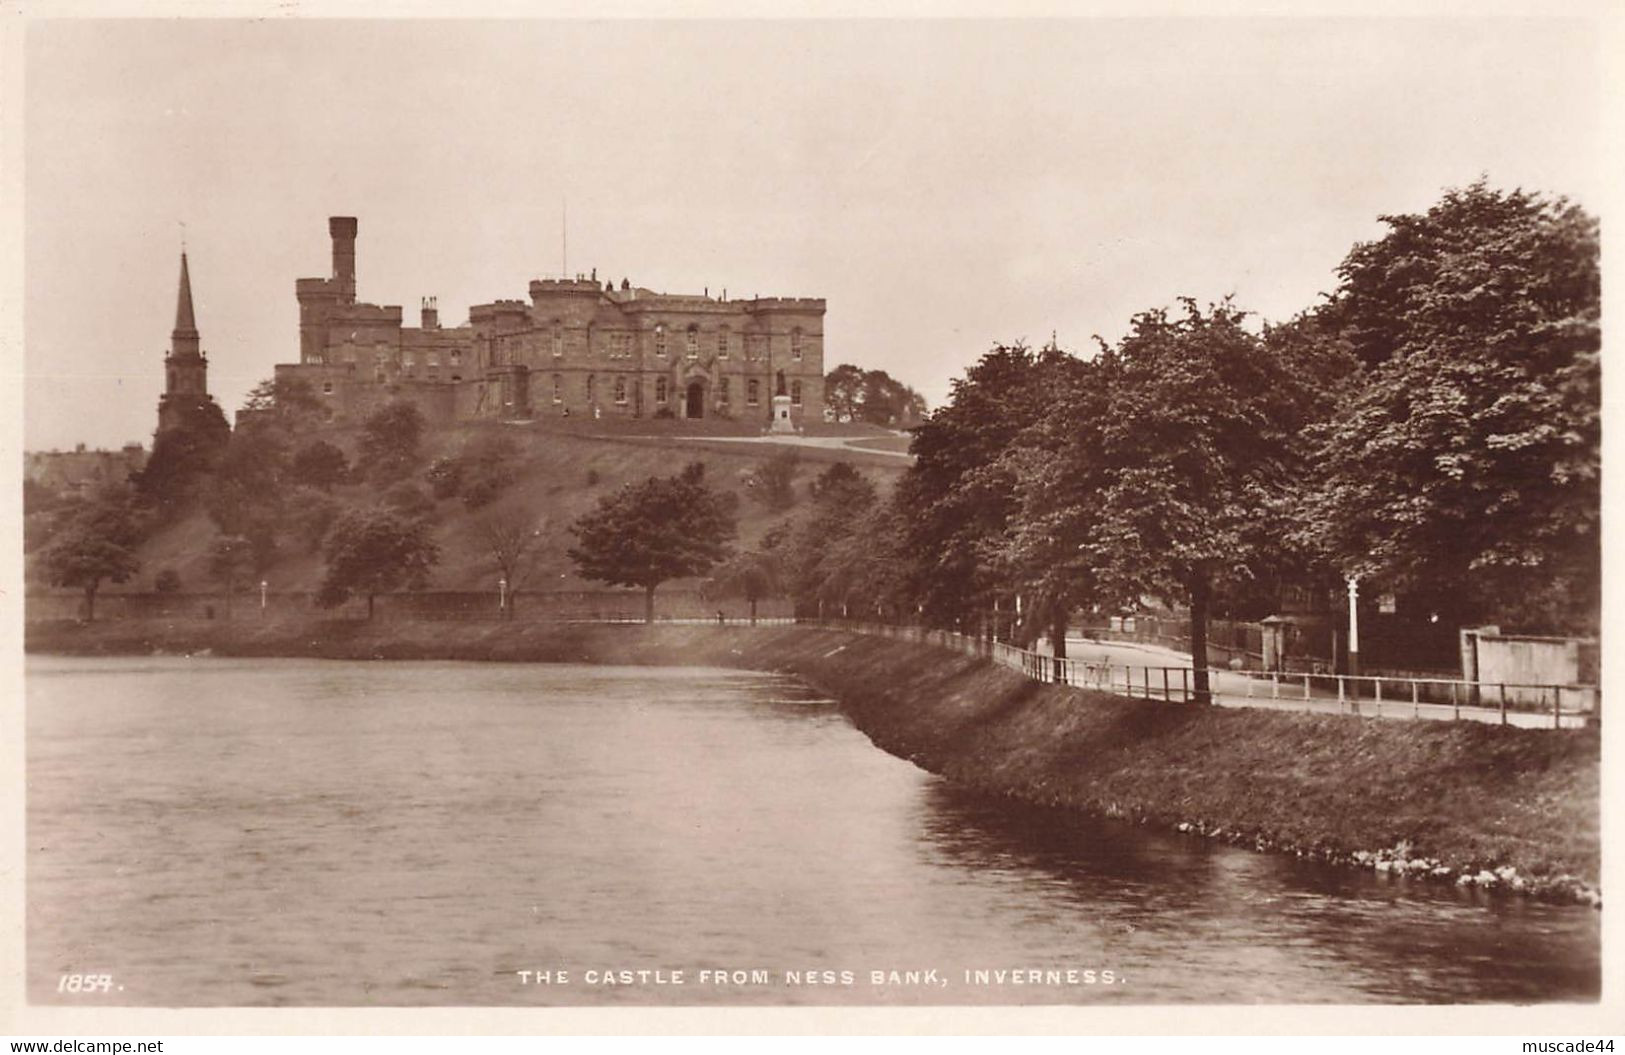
502 594
263 586
1354 626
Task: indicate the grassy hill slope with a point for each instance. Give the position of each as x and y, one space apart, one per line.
561 473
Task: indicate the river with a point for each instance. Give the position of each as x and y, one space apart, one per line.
207 832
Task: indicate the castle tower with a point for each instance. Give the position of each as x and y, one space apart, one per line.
343 229
186 369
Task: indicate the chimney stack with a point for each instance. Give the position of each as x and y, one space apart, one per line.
431 313
342 228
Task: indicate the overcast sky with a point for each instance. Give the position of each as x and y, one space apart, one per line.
945 185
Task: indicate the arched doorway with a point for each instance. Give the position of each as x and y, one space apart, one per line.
694 404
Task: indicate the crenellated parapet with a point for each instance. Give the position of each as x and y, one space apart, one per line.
761 305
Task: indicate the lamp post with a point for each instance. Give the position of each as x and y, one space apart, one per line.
1354 626
502 594
263 587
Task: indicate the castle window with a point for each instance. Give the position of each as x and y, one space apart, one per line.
327 388
693 346
723 394
558 389
620 390
795 343
590 386
660 340
589 338
378 374
558 339
752 393
434 360
795 393
456 357
660 390
722 343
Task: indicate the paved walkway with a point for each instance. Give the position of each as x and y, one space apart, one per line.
848 443
1231 689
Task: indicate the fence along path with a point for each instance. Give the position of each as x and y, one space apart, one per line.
1438 699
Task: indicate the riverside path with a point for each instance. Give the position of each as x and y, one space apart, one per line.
1231 689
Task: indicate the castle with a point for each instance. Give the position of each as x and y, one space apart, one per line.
577 348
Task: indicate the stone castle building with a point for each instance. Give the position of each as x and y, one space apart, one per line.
578 348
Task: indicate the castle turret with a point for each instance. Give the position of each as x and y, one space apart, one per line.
343 228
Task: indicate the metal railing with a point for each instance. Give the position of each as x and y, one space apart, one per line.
1382 696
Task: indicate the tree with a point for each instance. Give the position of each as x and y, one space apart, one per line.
319 464
244 496
287 401
95 544
510 540
753 574
958 494
773 482
1465 470
646 533
231 561
843 391
390 439
488 466
373 551
1198 448
888 402
183 454
308 514
1059 468
824 568
872 396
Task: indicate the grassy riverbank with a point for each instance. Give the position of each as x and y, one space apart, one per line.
1449 800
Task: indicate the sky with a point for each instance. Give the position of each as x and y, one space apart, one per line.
945 185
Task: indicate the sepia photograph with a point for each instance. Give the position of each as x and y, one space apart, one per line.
609 513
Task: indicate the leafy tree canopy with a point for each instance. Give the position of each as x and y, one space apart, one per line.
184 454
773 482
283 402
662 528
1466 468
319 464
374 551
390 441
958 493
872 396
96 543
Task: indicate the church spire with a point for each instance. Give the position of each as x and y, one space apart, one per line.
186 370
183 341
185 324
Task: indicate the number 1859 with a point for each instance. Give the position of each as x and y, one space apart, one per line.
85 983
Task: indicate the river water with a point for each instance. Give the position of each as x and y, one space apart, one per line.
267 832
